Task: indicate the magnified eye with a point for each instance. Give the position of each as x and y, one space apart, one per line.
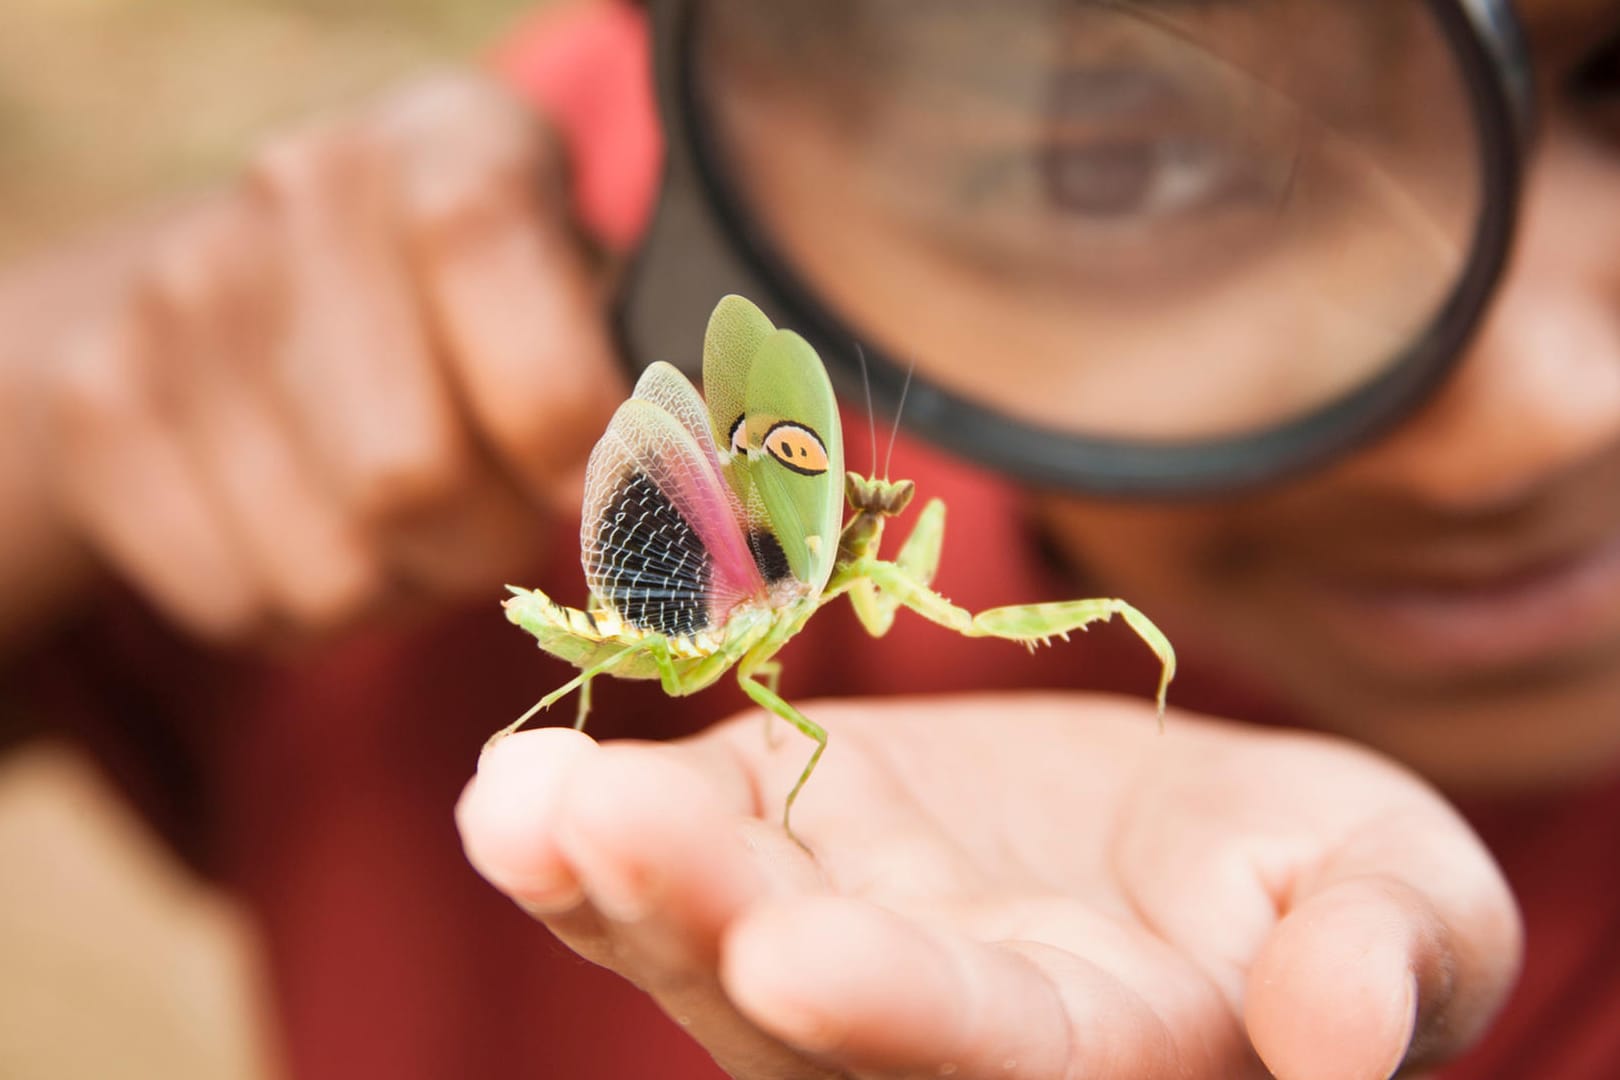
1104 180
1122 181
1125 140
1116 178
1117 148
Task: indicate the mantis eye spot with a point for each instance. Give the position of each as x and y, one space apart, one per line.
797 447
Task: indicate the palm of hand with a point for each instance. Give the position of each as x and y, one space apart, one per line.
1011 887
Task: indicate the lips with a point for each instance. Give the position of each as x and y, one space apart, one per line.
1475 613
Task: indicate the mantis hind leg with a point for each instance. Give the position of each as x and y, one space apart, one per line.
771 670
584 708
772 702
580 682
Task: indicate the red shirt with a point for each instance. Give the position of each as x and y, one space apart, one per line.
320 790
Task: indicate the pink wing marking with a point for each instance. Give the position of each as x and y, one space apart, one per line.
667 386
660 539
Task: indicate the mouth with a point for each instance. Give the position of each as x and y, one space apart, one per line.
1467 617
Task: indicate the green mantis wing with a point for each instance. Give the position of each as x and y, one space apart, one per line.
776 421
735 332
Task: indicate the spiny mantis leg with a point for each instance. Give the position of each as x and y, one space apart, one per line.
1033 624
582 682
1028 624
772 702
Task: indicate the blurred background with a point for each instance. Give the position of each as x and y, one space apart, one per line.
105 104
113 962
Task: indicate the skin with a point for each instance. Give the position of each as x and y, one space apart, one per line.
1213 900
1345 919
1514 462
344 382
904 948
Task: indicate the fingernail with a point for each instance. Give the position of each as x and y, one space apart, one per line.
1408 1014
809 1030
543 904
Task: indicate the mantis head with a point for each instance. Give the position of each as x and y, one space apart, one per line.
884 498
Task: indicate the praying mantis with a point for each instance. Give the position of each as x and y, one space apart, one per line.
712 531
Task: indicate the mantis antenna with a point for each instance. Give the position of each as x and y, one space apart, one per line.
894 432
871 416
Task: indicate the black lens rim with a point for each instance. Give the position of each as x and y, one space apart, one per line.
1493 59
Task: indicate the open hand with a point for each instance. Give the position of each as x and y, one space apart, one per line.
1012 887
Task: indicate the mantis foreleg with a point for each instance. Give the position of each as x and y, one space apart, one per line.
901 587
1028 624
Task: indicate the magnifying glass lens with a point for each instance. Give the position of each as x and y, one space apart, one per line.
1153 222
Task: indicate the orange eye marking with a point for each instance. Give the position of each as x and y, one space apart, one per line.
797 447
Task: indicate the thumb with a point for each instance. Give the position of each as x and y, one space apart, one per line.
1397 951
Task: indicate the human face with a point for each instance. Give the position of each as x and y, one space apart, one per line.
1450 594
1059 210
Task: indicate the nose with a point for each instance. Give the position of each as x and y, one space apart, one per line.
1538 392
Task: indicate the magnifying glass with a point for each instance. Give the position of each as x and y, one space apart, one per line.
1129 247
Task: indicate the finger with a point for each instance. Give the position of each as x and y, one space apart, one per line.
550 809
516 302
632 858
509 812
1397 951
487 537
129 482
864 987
356 370
367 377
315 567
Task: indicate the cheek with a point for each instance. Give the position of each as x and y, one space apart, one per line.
1206 577
1176 554
1203 573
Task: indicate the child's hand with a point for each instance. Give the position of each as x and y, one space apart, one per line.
1010 887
